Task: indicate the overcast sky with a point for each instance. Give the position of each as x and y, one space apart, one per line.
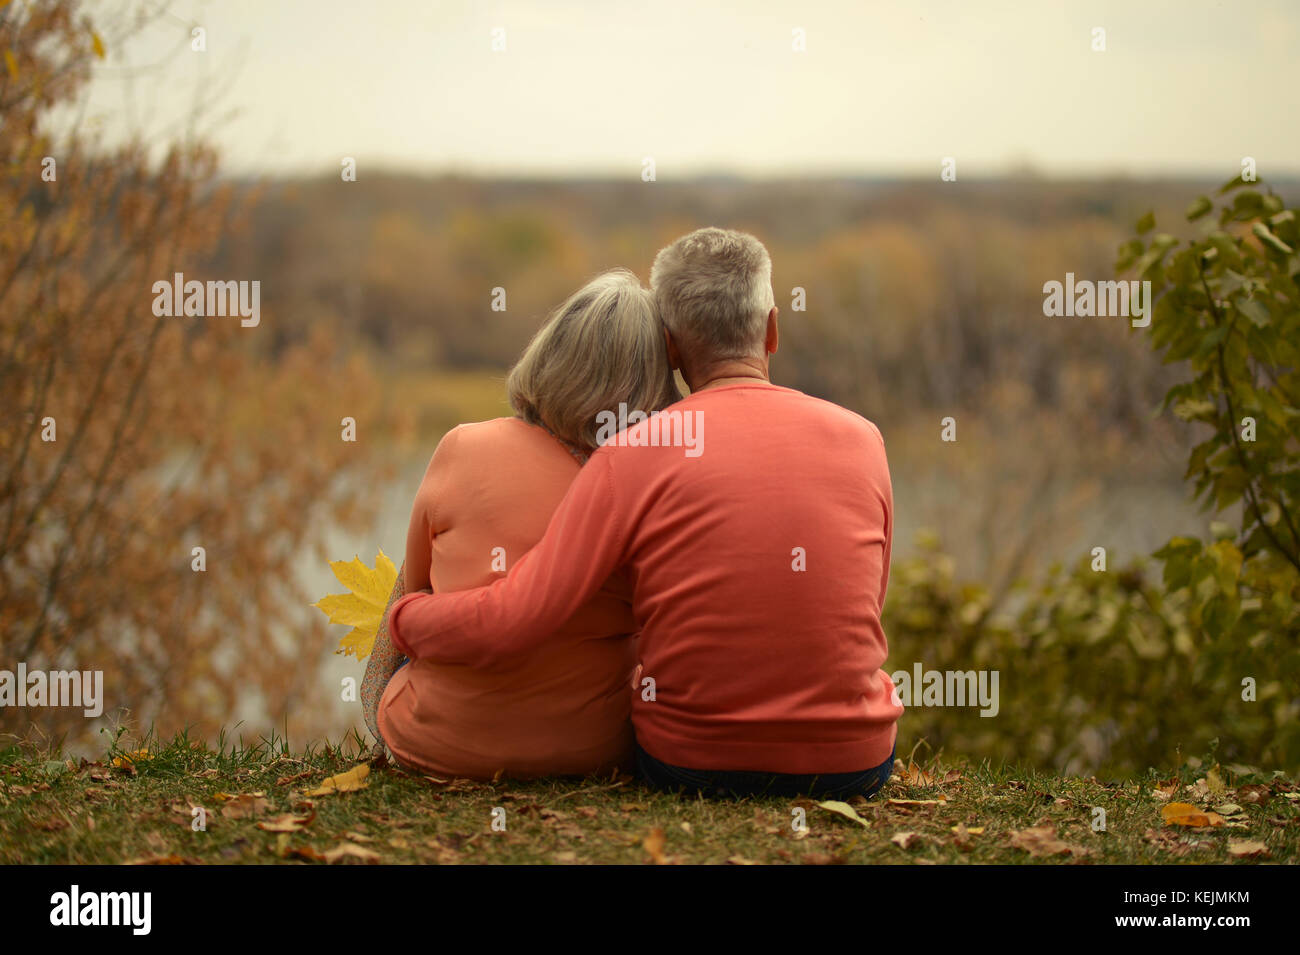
884 88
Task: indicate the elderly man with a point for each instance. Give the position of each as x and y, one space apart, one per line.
758 563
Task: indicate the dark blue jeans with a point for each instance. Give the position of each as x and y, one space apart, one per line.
736 784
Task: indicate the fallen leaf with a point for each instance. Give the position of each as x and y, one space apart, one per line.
962 836
351 781
1165 792
740 860
843 809
1042 841
287 823
225 797
164 860
565 858
1254 794
914 775
1185 814
653 844
905 840
973 831
918 802
305 852
127 759
350 850
455 785
1247 849
244 805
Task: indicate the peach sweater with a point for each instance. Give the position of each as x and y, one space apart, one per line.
558 707
758 571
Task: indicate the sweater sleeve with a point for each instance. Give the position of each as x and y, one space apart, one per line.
584 543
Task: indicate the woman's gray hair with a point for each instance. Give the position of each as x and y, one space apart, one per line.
714 291
601 348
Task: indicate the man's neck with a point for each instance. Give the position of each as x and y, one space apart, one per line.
738 371
732 380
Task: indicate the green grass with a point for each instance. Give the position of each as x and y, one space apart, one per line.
55 811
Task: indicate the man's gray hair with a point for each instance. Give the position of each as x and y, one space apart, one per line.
714 291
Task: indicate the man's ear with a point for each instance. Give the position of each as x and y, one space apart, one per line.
773 336
674 356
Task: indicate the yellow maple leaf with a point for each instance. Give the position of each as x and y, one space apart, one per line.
126 759
362 607
351 781
1185 814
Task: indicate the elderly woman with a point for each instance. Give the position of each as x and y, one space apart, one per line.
486 498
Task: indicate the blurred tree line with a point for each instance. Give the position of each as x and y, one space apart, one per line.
917 297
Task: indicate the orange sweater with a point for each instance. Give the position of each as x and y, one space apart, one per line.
758 569
556 708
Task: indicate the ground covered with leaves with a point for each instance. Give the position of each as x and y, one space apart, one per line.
181 802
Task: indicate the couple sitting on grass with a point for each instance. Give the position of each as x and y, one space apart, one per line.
706 610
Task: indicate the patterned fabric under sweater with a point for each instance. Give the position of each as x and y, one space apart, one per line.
385 659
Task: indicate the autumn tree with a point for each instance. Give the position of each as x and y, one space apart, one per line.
160 477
